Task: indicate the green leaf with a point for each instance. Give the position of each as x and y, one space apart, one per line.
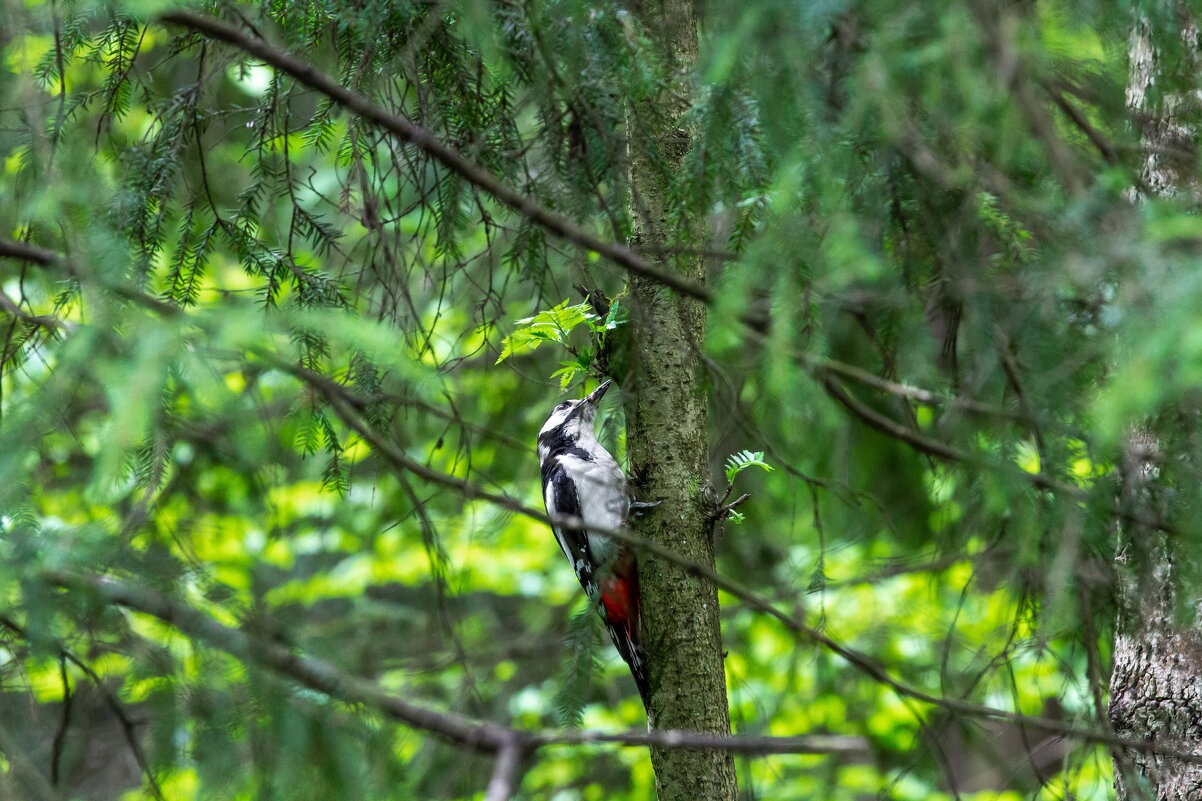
554 324
617 316
566 374
742 460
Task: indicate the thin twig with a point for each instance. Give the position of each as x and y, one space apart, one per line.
724 510
39 320
64 723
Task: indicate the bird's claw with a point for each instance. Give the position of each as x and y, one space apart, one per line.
642 506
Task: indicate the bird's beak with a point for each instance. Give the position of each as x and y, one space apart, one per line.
594 397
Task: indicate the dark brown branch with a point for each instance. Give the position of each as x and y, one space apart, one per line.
891 428
924 396
64 723
1078 119
319 675
408 131
128 730
821 369
39 320
815 364
316 674
48 258
30 253
724 509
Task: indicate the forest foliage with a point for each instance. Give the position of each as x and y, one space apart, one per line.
268 362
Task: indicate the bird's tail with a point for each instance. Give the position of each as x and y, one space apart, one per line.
626 640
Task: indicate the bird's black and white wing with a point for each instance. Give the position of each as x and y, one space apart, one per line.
561 498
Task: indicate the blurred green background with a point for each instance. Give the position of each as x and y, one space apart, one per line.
929 204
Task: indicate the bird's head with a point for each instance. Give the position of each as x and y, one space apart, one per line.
570 418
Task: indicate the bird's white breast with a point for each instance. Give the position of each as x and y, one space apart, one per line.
601 489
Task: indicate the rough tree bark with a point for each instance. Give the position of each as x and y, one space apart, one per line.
1156 683
668 445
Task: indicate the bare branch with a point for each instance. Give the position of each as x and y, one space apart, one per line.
30 253
891 427
1078 119
128 728
48 258
507 772
319 675
64 723
752 745
933 447
926 397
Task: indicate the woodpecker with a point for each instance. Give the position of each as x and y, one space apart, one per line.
582 479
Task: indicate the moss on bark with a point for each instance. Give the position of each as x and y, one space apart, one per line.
667 439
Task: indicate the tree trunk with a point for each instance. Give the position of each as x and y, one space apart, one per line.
1156 683
667 442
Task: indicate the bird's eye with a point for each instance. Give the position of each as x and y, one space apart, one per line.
563 406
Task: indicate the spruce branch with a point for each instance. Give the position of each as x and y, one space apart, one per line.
408 131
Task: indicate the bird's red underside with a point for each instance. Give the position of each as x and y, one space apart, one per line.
618 599
620 596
